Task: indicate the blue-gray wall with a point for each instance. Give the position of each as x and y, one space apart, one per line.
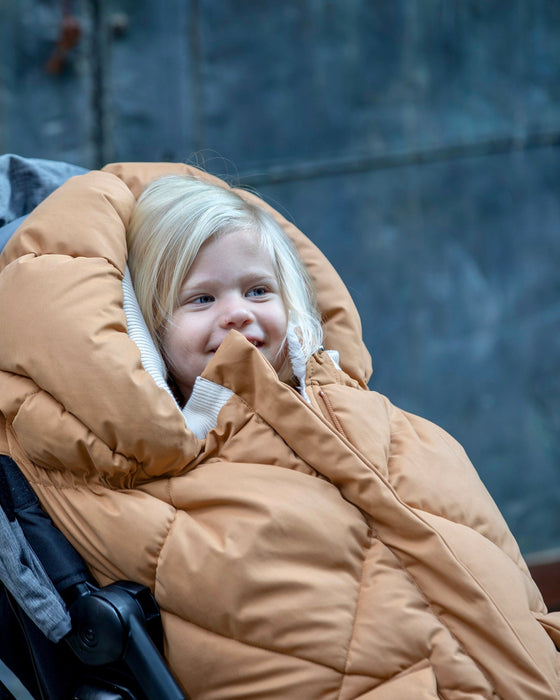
416 141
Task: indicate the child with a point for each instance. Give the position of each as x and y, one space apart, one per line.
304 538
203 262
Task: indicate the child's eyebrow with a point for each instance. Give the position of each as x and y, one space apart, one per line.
260 276
248 276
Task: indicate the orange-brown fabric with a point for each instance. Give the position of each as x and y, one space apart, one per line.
337 549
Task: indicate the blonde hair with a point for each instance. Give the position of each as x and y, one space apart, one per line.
174 217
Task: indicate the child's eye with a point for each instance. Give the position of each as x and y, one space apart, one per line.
257 292
202 299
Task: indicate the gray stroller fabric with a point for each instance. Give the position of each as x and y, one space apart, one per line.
24 577
24 182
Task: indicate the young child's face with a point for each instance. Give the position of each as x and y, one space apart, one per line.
231 285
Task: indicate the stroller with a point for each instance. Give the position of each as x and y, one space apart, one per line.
63 637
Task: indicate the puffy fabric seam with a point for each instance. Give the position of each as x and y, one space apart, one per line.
491 542
164 541
72 256
357 606
381 679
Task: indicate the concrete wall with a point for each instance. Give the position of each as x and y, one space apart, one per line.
416 141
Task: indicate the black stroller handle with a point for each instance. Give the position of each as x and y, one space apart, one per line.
110 626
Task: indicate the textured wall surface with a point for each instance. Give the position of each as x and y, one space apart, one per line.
416 141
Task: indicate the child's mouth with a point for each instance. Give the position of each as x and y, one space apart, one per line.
257 343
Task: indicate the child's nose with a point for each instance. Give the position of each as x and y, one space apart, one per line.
236 315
